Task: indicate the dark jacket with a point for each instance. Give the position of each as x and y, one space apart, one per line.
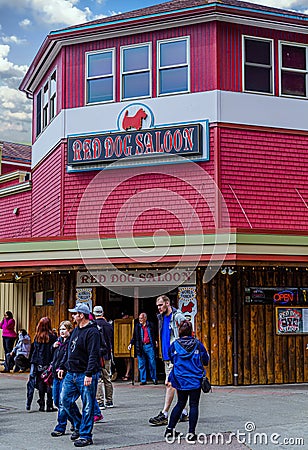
60 356
107 330
188 356
137 339
83 354
43 353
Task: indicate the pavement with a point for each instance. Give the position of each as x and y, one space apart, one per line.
235 418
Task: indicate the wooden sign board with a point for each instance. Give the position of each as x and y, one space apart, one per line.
291 320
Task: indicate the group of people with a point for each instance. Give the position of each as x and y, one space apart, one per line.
80 359
17 354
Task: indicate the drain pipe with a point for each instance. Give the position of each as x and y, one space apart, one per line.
234 332
235 349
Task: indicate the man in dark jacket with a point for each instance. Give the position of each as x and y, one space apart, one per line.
83 370
105 379
145 344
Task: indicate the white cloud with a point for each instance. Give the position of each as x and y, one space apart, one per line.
299 5
51 12
15 108
25 23
12 40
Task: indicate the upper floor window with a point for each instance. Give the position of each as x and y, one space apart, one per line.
258 65
173 66
46 103
293 70
100 76
136 71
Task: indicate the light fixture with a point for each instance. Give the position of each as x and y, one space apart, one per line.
231 271
224 270
16 276
16 211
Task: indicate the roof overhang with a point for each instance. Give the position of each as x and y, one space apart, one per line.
202 249
56 40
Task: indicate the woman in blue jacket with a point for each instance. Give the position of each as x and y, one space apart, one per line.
189 357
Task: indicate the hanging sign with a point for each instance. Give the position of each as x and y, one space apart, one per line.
187 302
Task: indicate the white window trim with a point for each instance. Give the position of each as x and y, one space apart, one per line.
256 38
45 104
49 119
292 44
164 41
113 74
54 96
149 70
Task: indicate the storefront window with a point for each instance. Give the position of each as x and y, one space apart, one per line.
136 71
258 65
173 66
293 70
100 77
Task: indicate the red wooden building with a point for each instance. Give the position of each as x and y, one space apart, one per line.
169 145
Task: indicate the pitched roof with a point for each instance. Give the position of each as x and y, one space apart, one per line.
175 5
18 153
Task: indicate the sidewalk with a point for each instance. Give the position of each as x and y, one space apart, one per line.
280 410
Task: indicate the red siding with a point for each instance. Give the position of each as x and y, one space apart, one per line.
46 198
265 171
202 57
132 206
11 225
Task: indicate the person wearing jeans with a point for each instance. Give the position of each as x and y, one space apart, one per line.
145 344
59 357
83 369
74 386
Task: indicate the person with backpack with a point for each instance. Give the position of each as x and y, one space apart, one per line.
188 356
106 331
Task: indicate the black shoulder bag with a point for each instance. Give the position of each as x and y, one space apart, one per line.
205 383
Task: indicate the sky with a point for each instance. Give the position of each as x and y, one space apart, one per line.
24 24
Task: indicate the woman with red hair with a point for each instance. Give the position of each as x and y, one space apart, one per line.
40 360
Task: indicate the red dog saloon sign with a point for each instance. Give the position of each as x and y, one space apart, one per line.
133 140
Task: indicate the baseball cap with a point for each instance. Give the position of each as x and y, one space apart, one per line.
81 308
98 311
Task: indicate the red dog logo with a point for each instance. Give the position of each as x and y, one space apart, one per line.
188 308
134 121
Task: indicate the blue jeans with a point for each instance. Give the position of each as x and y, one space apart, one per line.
148 355
73 387
62 416
194 397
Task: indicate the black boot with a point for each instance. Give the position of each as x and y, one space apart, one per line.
41 403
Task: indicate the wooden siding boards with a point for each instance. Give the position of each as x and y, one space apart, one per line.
15 297
263 356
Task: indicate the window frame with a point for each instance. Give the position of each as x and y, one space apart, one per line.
149 70
52 97
292 44
44 119
272 67
188 64
113 75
